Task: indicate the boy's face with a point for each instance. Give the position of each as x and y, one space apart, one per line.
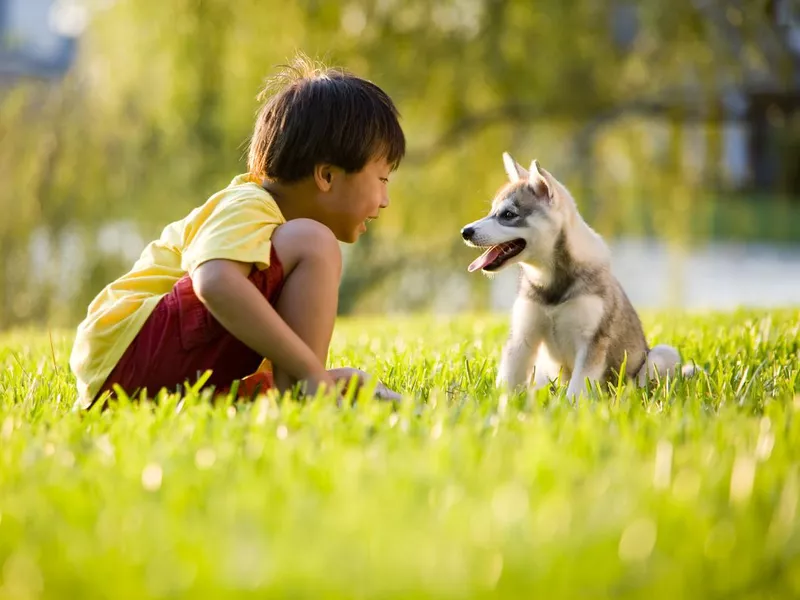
357 198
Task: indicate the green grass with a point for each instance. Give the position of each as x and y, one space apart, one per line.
690 490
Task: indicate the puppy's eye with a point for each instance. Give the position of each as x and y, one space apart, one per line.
507 215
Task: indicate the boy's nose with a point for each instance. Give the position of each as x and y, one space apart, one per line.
468 232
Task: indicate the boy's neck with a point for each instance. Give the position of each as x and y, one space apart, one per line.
295 200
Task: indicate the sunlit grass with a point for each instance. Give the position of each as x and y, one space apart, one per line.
688 490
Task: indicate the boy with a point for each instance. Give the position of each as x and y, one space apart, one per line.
252 275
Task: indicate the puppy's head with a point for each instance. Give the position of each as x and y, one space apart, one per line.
524 221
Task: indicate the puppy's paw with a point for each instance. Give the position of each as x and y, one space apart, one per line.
691 370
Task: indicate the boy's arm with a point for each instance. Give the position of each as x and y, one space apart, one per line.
223 286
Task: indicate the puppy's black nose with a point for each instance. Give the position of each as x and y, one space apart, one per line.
467 232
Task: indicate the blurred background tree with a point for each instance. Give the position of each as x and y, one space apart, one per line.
670 119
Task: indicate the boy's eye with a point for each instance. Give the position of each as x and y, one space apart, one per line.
384 179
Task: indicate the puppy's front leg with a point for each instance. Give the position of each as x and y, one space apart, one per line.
519 352
590 363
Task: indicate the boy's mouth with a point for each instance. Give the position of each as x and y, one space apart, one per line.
496 256
366 222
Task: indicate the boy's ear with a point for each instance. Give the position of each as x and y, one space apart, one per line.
323 177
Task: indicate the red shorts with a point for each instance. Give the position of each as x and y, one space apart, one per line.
181 340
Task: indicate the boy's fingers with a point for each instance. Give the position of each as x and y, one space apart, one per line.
384 393
345 374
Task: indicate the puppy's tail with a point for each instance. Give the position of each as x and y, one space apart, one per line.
666 361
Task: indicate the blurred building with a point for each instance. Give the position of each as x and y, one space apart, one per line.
758 111
38 38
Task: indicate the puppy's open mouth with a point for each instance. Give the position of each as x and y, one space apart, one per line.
496 256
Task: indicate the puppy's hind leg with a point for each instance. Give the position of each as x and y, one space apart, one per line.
662 361
519 352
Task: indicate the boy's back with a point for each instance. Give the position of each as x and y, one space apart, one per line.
235 223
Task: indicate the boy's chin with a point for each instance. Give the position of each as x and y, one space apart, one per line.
348 239
353 235
345 236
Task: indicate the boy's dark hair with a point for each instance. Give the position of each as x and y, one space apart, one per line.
318 115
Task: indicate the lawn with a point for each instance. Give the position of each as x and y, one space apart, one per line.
688 490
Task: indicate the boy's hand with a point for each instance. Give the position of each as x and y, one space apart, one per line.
345 374
312 383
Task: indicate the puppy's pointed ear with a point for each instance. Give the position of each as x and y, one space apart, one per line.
540 181
513 168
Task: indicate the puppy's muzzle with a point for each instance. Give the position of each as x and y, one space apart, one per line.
468 233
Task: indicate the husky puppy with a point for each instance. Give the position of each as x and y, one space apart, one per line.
570 313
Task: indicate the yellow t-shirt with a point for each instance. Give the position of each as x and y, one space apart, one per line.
236 223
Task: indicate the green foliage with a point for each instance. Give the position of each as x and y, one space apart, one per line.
156 114
689 490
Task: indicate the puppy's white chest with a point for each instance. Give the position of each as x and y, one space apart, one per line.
558 336
569 326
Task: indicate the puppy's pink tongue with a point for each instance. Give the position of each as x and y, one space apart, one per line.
484 259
